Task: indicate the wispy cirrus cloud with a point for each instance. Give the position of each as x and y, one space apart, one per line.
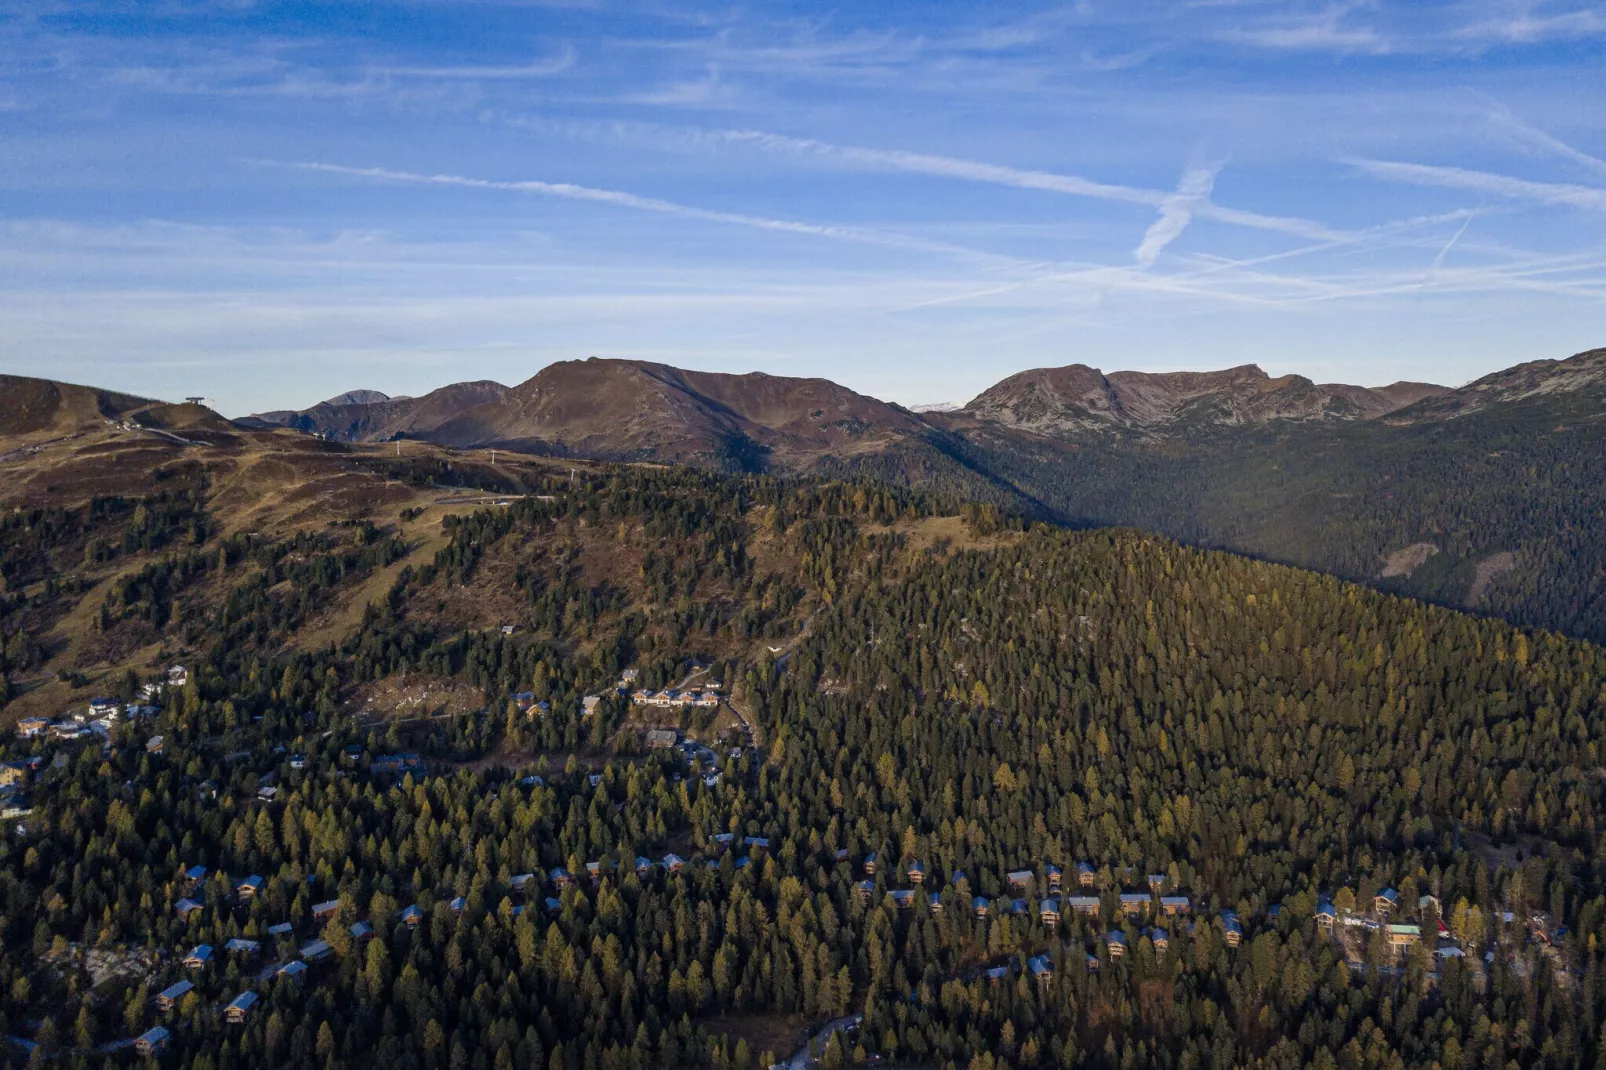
561 61
1532 135
1524 22
1176 212
621 199
1551 193
996 174
1325 31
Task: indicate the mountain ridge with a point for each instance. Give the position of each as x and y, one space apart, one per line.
629 409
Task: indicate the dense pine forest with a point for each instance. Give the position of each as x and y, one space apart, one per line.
1016 795
1509 500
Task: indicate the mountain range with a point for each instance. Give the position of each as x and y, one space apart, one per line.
1486 496
635 410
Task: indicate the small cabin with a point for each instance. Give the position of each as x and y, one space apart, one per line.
360 931
1021 879
1385 901
979 906
316 951
1083 904
1041 967
672 863
520 881
325 909
1326 916
934 902
1056 878
1160 939
168 997
241 946
199 956
239 1008
1404 936
560 878
1174 905
411 916
917 873
1049 912
296 971
904 898
249 887
185 907
1116 942
870 864
1135 902
1086 875
864 890
151 1042
1232 930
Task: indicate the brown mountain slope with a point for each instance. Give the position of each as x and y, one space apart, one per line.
1077 399
1581 374
368 416
30 406
642 411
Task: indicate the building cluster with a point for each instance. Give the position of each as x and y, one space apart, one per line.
706 697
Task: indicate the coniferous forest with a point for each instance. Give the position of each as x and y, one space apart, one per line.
993 793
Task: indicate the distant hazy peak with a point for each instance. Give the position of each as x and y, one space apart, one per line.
359 397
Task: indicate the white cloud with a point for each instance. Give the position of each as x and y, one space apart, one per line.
975 171
540 68
1321 32
1532 135
622 199
1521 25
1553 193
1176 212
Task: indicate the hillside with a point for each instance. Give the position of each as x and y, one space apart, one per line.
370 416
1500 488
929 722
33 407
1075 400
1483 497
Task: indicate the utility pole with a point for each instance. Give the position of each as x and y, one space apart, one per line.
398 447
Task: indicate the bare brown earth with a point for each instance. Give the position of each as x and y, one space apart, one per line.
1489 569
1406 561
414 696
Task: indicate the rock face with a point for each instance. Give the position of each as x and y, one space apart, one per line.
1582 374
1078 399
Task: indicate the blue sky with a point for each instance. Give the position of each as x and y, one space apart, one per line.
269 203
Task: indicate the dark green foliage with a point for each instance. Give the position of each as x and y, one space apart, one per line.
1256 734
1524 478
